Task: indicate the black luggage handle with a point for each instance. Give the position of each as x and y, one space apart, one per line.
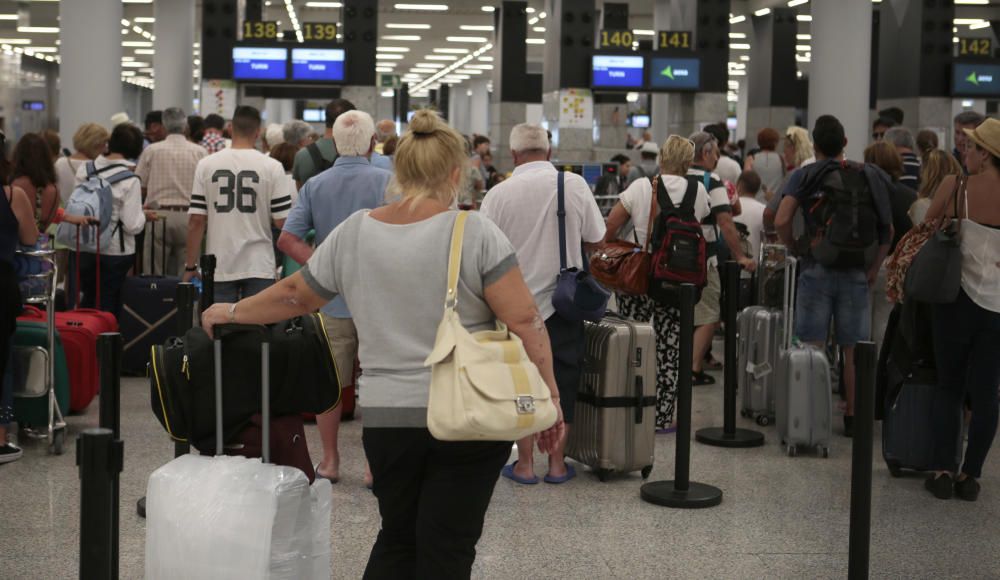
265 388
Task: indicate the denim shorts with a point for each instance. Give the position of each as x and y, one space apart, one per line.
840 295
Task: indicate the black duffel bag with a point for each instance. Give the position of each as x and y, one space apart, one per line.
182 379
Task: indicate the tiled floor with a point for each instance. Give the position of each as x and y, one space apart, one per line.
780 518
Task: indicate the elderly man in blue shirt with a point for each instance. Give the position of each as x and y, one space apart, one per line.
326 200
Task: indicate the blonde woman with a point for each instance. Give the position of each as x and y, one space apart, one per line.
635 204
937 165
390 265
798 148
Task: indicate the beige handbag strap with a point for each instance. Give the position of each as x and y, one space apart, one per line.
455 259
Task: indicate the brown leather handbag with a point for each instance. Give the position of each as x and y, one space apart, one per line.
624 266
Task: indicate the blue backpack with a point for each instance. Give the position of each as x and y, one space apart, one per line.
92 198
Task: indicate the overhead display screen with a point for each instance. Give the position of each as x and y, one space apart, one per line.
318 64
250 63
677 74
975 80
624 72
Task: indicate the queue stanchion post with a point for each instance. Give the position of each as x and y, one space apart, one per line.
184 299
859 550
207 264
99 459
109 356
681 492
729 435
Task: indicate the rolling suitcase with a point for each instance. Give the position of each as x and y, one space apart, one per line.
30 406
148 313
804 399
907 439
234 517
760 339
615 415
79 340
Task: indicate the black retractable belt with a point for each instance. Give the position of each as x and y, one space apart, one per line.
728 435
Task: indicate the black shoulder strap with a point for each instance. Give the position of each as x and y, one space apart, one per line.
690 196
663 197
561 213
317 156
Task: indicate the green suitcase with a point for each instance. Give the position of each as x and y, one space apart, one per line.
34 411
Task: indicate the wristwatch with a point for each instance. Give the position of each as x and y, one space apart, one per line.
190 268
232 312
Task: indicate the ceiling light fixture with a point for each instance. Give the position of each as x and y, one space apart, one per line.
762 12
737 19
401 26
427 7
466 38
392 49
488 8
452 50
324 4
794 3
39 29
405 37
383 56
440 57
475 28
534 41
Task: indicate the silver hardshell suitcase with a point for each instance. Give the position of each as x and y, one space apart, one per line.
804 401
614 426
760 339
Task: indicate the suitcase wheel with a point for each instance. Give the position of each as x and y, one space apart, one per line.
792 451
646 471
744 413
825 451
603 474
763 420
58 441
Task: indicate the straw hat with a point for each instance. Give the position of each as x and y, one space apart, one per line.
987 136
119 119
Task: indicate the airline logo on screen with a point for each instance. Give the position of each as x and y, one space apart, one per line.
975 79
671 73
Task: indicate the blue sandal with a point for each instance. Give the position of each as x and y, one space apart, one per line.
570 474
508 472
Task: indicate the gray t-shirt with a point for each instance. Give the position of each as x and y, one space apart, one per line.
394 280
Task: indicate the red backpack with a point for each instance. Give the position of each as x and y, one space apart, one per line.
679 254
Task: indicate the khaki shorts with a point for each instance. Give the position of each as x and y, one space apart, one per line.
343 338
708 309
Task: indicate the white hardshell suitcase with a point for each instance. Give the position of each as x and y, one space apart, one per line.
614 426
760 340
804 400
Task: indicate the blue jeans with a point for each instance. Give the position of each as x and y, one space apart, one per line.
114 270
966 343
228 292
840 295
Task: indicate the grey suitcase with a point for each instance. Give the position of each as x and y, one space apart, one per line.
804 400
614 426
760 338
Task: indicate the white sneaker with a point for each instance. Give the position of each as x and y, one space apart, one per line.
10 452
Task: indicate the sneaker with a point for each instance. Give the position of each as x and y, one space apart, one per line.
848 426
942 486
967 489
10 452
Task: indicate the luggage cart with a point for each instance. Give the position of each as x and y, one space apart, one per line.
55 433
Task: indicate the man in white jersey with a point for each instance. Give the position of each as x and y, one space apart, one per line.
238 194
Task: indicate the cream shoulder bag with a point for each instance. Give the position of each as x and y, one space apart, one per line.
483 386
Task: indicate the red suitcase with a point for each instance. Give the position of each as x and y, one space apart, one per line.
79 330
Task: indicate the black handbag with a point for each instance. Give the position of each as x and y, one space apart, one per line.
578 295
935 275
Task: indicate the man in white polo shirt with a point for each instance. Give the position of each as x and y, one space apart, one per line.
524 207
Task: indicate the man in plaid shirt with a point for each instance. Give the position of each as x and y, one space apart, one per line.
214 141
166 170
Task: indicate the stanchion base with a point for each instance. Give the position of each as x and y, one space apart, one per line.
140 507
740 438
698 495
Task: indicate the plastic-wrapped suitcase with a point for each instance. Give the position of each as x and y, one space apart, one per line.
614 426
907 440
804 399
233 517
148 311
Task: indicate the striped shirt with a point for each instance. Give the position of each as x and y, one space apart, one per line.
242 191
911 171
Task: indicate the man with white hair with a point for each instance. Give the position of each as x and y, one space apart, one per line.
524 208
166 170
273 135
327 199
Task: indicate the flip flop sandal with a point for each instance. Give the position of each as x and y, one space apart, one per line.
570 474
508 472
702 378
320 476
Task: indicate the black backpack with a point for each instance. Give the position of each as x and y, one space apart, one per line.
319 162
843 228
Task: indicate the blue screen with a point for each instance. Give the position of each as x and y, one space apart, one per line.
617 71
682 74
318 64
975 80
259 63
640 121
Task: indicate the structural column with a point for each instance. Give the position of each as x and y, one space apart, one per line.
507 107
173 63
774 92
841 71
90 33
479 107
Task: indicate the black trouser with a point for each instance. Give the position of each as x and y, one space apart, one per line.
433 497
